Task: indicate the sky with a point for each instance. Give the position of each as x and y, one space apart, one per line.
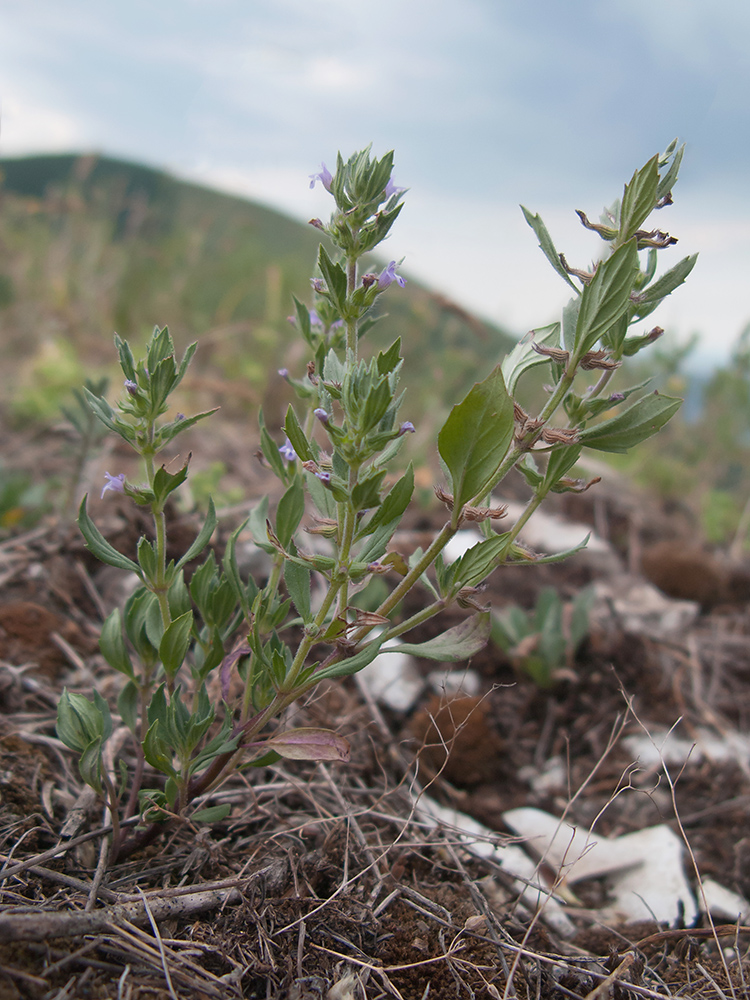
488 104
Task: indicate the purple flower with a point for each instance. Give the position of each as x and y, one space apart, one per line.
284 372
321 414
317 284
315 320
324 176
406 428
287 451
388 275
131 386
324 477
391 189
116 483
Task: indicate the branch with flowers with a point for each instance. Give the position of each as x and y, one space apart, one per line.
339 445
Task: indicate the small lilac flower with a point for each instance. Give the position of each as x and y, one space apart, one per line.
324 477
321 414
318 285
131 386
406 428
116 484
324 176
388 275
337 324
284 372
316 222
315 320
180 416
391 189
287 451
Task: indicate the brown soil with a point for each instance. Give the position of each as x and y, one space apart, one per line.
323 881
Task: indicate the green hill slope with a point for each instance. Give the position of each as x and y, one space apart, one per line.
89 245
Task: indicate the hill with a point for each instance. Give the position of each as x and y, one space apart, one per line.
89 245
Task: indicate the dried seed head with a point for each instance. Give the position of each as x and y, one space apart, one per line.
598 359
560 435
484 513
559 356
444 497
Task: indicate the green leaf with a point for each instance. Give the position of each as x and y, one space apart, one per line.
147 559
394 503
174 644
459 643
569 322
478 561
98 544
636 424
352 664
523 357
651 296
157 751
297 437
112 644
289 511
297 579
606 297
169 431
212 814
667 182
127 705
475 438
389 360
639 199
90 765
335 278
203 537
366 493
547 246
166 482
561 461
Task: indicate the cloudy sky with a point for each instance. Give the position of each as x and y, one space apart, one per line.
487 104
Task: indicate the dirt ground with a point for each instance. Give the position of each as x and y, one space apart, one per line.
331 881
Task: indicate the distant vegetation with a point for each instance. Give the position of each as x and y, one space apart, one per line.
91 245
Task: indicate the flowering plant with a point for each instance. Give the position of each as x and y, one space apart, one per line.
334 459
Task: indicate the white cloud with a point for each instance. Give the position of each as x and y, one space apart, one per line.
26 125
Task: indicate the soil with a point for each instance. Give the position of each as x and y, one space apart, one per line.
325 881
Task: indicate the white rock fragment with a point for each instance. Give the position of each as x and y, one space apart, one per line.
723 904
485 843
552 534
640 609
393 679
455 682
673 750
552 777
646 877
461 542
